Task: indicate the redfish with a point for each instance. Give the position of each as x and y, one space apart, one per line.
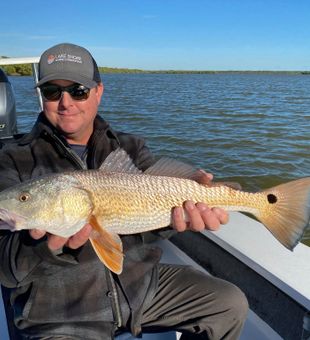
119 199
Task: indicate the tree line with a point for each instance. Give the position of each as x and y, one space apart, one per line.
26 70
17 70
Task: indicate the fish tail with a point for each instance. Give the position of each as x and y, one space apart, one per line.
287 212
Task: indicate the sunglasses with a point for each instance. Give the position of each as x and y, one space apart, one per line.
52 92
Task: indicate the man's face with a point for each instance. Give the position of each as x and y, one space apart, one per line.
73 118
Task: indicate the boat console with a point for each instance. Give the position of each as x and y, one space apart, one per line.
8 125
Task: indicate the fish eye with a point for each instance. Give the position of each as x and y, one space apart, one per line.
24 197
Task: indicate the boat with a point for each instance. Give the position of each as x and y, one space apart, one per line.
275 280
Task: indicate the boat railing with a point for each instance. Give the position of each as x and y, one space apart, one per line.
34 65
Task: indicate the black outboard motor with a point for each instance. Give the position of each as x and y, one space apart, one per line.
8 123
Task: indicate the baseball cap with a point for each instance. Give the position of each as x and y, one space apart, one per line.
68 62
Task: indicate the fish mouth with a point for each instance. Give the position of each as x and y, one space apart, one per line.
10 220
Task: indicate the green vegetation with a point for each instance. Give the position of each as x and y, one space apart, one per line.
26 70
17 70
118 70
127 70
130 70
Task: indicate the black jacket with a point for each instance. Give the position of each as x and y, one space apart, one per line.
71 287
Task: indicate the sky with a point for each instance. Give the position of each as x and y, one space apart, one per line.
165 34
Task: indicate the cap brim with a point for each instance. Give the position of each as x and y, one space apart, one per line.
68 76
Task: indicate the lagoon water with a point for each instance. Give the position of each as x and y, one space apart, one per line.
250 128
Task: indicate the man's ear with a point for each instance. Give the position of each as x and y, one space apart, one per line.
99 92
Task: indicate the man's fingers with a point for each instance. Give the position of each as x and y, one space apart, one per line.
53 242
221 214
210 219
36 233
198 217
196 222
203 177
178 222
56 242
80 238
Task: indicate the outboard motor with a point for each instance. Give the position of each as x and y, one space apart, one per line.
8 123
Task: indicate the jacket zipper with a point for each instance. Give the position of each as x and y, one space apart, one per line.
80 165
115 297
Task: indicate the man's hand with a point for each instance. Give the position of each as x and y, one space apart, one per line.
55 242
199 216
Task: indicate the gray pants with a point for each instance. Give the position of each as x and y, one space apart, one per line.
198 305
187 300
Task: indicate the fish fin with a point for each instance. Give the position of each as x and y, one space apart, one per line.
288 212
108 247
119 161
172 168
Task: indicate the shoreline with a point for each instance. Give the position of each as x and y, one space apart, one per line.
26 70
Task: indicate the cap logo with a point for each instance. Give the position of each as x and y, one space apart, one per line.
64 57
50 59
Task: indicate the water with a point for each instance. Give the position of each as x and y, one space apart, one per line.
251 128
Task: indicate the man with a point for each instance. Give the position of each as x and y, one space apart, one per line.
58 288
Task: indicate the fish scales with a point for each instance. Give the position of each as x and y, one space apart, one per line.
129 203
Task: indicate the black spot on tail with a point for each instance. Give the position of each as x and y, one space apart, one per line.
272 198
